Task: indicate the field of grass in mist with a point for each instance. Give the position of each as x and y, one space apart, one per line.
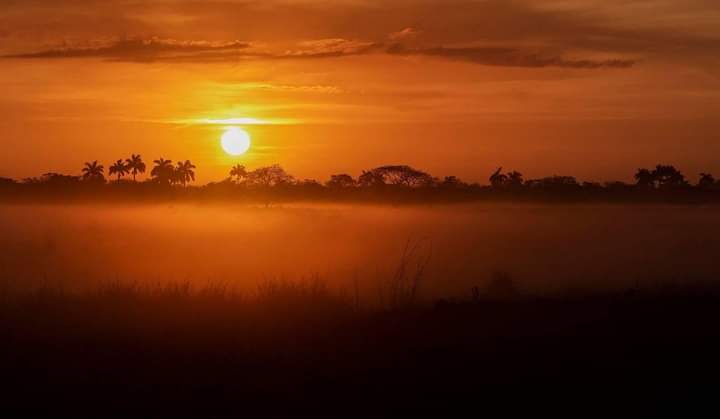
216 311
543 248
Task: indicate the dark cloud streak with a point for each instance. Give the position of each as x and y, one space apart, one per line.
137 50
152 50
509 57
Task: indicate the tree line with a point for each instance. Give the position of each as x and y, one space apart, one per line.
662 177
391 179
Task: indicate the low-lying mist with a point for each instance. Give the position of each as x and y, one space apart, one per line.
543 249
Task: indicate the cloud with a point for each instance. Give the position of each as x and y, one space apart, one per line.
151 49
536 33
320 89
407 34
508 57
157 49
328 48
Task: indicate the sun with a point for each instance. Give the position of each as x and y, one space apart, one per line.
235 141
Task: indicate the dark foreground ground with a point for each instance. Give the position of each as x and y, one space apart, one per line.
304 353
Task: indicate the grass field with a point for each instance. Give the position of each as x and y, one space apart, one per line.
192 311
545 249
298 350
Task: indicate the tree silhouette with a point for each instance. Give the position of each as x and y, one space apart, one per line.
707 181
93 172
645 178
451 182
163 172
269 176
119 168
497 179
55 180
371 179
668 176
136 165
555 183
238 172
515 179
310 184
340 181
512 179
184 172
397 175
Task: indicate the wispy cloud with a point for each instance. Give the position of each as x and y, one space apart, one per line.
328 48
315 88
509 57
157 49
137 49
234 121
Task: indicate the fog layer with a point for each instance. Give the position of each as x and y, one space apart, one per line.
543 248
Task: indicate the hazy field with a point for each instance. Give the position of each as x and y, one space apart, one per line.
543 248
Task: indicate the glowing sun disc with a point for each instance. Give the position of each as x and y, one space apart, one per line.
235 141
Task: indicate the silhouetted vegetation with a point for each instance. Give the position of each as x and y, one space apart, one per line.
136 165
93 172
120 169
163 172
184 173
269 184
175 351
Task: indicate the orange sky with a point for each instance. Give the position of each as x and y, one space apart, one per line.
588 87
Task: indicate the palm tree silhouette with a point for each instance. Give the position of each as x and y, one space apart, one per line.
120 169
93 171
135 165
238 171
184 172
163 171
498 179
515 178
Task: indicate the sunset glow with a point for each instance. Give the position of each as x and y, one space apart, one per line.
494 82
290 208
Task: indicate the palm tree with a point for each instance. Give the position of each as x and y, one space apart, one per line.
498 179
93 171
120 169
515 178
163 171
135 165
184 172
238 171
